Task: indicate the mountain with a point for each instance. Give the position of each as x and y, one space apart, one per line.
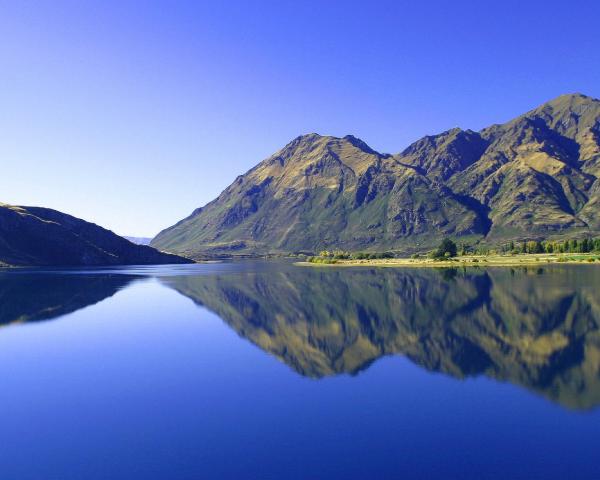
139 240
34 236
533 177
538 328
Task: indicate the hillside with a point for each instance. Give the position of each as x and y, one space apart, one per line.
533 177
33 236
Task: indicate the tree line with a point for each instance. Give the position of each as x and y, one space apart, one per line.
449 249
573 245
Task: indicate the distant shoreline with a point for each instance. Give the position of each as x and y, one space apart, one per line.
467 261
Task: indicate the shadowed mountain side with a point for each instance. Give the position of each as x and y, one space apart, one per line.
34 236
535 328
36 297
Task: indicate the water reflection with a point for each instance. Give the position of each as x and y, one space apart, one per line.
33 297
538 328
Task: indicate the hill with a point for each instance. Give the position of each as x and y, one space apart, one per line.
33 236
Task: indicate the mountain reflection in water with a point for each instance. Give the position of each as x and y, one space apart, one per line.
538 328
33 297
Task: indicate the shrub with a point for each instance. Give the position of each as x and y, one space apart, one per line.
322 260
446 249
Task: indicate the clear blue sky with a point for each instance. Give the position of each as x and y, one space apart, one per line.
132 114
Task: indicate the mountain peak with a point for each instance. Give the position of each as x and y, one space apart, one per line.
314 141
358 143
307 138
573 96
569 101
570 115
445 154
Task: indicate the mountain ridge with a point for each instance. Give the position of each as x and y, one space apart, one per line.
535 176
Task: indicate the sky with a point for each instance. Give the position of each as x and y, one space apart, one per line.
133 114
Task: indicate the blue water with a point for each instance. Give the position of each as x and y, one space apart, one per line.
267 370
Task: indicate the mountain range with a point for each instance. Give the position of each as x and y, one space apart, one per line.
533 177
139 240
35 236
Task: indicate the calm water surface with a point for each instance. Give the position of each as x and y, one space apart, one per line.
267 370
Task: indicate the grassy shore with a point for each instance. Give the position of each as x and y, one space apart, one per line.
466 261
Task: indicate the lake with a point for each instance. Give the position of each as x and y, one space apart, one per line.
266 370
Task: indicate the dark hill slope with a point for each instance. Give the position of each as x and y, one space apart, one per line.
40 236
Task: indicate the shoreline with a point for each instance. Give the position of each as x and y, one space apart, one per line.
468 261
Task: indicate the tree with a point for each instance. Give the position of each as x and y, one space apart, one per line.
446 247
573 246
586 245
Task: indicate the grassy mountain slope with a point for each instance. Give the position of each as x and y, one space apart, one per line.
40 236
535 176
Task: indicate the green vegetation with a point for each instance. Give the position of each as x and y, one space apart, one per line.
449 254
520 247
573 245
447 249
331 257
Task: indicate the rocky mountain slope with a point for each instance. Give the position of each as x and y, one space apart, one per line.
533 177
33 236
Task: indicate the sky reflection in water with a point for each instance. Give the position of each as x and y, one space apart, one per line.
479 373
